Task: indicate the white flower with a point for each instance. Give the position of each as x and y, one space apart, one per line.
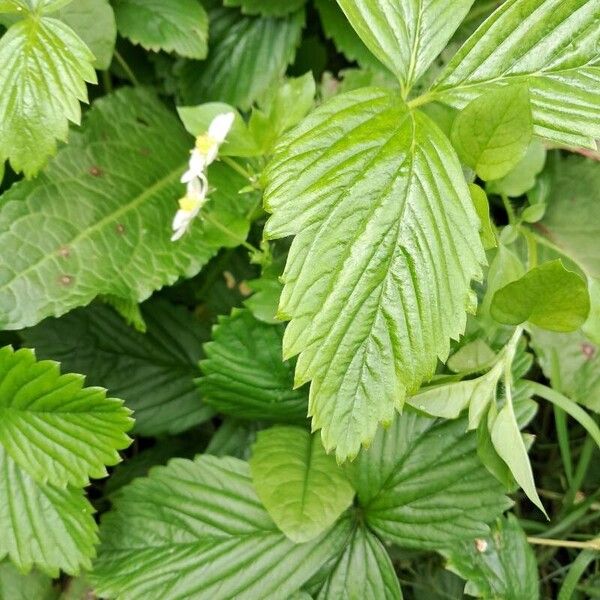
189 206
207 146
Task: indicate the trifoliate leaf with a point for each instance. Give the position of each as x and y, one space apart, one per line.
243 373
406 35
501 565
482 207
346 40
43 526
422 485
552 45
98 220
492 133
364 571
54 428
370 316
94 22
179 26
302 488
267 8
248 55
152 372
196 529
548 296
44 67
522 177
17 586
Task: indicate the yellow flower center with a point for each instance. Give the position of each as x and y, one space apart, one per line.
188 204
205 143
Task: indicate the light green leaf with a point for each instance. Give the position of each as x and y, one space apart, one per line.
523 177
43 526
16 586
43 69
291 102
406 35
248 55
195 529
94 22
197 119
482 206
450 399
363 572
346 40
422 485
267 8
552 45
264 301
501 565
98 220
473 356
548 296
492 133
152 372
508 443
243 373
179 26
302 488
370 316
54 428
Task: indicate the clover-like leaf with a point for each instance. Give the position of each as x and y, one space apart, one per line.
370 315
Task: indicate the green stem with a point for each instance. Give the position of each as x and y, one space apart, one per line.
578 567
229 233
510 211
238 168
580 415
585 458
589 545
127 69
421 100
107 82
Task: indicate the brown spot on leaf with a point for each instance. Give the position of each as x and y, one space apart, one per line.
95 171
588 350
229 280
245 289
120 228
145 151
481 545
64 251
66 280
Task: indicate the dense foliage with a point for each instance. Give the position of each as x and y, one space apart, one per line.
305 305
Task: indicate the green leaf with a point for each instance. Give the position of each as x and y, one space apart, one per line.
370 316
421 485
94 22
106 203
197 119
552 45
267 8
43 526
265 299
473 356
43 69
406 36
523 177
179 26
16 586
492 133
54 428
572 363
195 529
346 40
152 372
302 488
548 296
450 399
243 373
501 565
482 207
364 571
248 55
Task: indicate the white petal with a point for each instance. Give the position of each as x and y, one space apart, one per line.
178 234
197 162
220 126
188 176
196 188
182 219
